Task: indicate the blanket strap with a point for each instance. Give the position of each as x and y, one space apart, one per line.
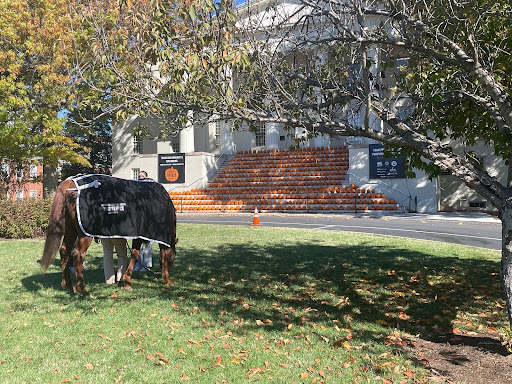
94 184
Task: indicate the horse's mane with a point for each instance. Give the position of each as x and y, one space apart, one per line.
55 231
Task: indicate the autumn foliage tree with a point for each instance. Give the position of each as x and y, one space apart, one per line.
35 62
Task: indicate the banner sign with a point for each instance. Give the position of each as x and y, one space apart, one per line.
385 168
171 168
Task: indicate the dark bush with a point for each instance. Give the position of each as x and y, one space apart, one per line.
24 218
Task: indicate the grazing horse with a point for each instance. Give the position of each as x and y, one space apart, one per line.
68 231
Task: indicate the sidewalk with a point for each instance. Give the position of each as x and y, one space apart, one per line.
446 216
455 216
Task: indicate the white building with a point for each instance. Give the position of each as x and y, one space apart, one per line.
207 146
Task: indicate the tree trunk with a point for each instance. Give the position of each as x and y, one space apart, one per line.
506 255
50 180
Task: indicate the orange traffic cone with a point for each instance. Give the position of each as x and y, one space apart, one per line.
256 220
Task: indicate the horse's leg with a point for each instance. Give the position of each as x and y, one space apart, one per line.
79 251
127 277
65 253
167 256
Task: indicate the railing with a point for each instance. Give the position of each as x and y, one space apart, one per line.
409 199
214 168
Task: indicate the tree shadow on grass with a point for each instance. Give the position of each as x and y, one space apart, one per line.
305 282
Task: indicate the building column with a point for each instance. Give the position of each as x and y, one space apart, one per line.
272 136
374 121
320 141
187 144
227 143
300 132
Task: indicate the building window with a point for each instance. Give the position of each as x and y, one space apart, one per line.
175 143
355 116
137 145
33 194
404 111
260 135
5 170
217 134
354 78
19 173
19 194
135 173
33 171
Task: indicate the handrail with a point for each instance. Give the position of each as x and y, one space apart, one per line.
186 186
381 182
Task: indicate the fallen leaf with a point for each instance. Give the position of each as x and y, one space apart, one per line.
382 322
89 366
409 374
219 359
255 371
304 375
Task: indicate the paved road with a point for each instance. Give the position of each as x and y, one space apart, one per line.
469 229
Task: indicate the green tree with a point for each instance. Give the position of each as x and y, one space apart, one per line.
35 61
96 142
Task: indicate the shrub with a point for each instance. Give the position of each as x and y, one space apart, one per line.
24 218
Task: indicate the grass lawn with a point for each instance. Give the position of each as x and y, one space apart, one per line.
250 304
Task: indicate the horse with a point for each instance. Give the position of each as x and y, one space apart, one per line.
66 232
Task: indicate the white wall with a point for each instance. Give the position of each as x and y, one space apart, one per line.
199 166
404 191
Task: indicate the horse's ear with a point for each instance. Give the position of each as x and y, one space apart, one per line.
176 242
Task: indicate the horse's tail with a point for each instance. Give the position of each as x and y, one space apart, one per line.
55 231
173 229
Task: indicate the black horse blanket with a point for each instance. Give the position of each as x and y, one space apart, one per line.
112 207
